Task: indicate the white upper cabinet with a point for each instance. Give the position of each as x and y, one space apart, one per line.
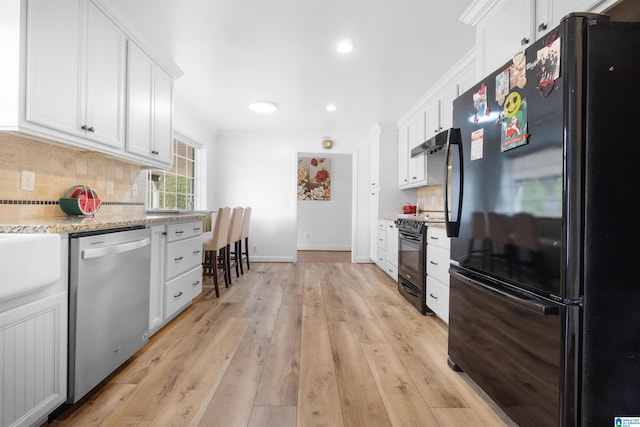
505 27
149 107
53 84
64 79
403 155
431 114
75 77
506 30
104 103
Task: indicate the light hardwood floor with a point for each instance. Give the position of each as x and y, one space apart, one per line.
307 344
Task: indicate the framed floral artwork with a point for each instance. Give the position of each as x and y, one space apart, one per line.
314 178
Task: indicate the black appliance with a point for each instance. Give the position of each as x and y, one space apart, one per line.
412 257
544 294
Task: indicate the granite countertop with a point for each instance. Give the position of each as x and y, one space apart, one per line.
71 224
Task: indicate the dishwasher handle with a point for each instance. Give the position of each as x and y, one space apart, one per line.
115 249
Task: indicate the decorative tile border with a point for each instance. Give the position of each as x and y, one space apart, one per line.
56 202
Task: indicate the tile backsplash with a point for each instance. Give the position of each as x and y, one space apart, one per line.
57 168
431 198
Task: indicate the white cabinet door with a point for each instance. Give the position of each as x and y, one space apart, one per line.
374 211
550 12
374 167
506 30
392 243
163 108
149 108
403 155
105 85
446 106
33 366
156 284
54 79
417 165
139 101
432 119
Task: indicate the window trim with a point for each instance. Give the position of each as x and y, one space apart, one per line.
197 190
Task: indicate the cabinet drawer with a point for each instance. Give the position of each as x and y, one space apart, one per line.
196 281
438 263
438 237
382 239
182 256
183 230
438 298
392 271
382 259
179 291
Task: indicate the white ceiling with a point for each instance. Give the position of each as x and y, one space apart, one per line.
235 51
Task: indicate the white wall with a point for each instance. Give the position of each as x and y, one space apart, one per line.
259 170
326 224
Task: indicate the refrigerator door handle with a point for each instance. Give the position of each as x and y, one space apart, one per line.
529 304
453 227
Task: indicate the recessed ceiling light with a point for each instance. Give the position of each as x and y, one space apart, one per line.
345 46
331 107
263 107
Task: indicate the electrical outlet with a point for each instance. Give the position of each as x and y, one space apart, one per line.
254 249
28 181
306 236
110 188
134 189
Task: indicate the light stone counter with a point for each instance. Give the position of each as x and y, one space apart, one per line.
72 224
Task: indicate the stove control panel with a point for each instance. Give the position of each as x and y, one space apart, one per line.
411 225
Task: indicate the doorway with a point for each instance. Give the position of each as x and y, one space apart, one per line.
325 226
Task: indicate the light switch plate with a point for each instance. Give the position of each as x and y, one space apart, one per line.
28 181
110 188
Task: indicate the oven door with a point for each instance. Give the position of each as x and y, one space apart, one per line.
411 256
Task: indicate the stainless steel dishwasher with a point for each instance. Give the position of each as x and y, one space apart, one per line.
109 273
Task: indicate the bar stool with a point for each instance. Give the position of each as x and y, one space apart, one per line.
244 236
214 246
233 238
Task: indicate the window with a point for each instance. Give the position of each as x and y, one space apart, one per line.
174 189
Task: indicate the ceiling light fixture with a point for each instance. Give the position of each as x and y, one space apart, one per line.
345 46
263 107
331 107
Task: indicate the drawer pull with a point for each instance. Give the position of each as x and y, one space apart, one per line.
196 252
179 231
178 295
524 41
117 350
196 283
179 258
434 263
433 296
196 229
434 238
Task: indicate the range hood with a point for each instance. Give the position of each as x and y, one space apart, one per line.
437 142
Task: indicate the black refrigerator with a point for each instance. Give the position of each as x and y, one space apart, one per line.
540 202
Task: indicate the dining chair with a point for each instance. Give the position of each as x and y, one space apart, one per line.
244 237
233 240
214 246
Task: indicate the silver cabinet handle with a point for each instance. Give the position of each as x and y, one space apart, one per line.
433 296
196 252
179 258
178 295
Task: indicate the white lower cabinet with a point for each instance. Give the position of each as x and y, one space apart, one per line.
181 290
176 270
391 239
437 270
33 361
438 298
387 258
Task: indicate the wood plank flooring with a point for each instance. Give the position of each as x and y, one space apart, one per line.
306 344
